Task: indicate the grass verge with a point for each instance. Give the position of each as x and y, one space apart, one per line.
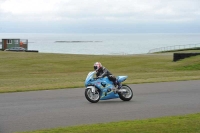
176 124
21 71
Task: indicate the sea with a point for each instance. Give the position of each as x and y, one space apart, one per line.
103 44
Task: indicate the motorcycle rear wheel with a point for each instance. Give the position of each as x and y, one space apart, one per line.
91 97
126 96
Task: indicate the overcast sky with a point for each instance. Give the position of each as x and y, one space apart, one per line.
100 16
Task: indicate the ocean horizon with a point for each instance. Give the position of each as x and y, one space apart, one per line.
103 44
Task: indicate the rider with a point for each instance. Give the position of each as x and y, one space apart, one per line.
102 72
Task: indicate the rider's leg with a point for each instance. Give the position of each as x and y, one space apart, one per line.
115 82
113 79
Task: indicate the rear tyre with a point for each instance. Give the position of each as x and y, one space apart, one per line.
92 97
126 96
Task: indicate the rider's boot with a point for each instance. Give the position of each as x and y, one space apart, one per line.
119 85
115 84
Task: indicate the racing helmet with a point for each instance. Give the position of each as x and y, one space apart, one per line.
97 66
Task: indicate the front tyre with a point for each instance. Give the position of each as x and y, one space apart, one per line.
92 97
126 96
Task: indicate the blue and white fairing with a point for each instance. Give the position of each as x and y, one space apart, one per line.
103 84
121 78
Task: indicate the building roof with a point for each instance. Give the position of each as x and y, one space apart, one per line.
11 38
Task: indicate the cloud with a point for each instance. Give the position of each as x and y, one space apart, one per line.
100 12
109 10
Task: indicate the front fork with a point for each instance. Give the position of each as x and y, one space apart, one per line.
92 89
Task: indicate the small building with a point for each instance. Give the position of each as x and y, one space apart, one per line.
8 43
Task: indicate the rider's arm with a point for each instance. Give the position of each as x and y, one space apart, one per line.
97 74
105 72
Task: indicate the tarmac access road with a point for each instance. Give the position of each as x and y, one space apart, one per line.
26 111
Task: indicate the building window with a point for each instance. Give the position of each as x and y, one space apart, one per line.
16 41
9 41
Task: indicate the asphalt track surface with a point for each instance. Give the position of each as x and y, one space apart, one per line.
26 111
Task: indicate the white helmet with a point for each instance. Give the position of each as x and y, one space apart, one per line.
97 66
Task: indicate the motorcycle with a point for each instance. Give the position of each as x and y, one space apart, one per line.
104 89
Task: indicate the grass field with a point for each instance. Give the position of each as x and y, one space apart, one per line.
22 71
176 124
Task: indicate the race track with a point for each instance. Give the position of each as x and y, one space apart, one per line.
26 111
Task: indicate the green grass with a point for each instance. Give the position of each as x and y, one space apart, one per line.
176 124
21 71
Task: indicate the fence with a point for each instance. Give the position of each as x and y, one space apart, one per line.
175 47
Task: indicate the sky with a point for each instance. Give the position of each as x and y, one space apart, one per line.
99 16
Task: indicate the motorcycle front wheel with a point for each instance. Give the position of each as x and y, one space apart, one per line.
126 96
92 97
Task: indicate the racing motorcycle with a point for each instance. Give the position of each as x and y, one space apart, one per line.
104 89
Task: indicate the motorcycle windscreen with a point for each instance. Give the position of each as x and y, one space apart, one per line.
89 77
